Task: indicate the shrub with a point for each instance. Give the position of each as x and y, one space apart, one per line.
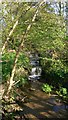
47 88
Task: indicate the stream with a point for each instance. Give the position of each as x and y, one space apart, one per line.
38 105
42 105
36 68
51 103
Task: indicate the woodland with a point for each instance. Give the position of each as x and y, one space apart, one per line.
34 28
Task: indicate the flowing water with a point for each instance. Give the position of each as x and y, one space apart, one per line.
42 104
36 69
39 105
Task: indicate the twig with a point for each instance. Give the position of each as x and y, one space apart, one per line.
16 82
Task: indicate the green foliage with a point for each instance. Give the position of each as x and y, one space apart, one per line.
62 91
23 81
47 88
7 64
23 60
47 36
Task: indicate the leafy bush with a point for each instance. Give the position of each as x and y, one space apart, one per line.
23 81
55 72
62 91
47 88
7 64
23 60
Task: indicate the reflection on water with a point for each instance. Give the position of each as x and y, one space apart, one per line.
35 75
57 104
56 108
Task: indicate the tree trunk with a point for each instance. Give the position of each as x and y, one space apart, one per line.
21 45
11 32
60 8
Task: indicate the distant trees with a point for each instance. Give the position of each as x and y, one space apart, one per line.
67 18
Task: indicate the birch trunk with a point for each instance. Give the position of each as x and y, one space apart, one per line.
21 45
11 32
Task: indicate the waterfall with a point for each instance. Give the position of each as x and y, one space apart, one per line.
36 69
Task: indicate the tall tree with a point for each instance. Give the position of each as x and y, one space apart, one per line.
21 46
60 8
14 26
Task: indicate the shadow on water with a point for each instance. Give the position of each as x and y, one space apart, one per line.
43 105
57 104
61 107
38 106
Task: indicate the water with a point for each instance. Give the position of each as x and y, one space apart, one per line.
57 104
57 108
36 69
41 105
34 63
35 73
